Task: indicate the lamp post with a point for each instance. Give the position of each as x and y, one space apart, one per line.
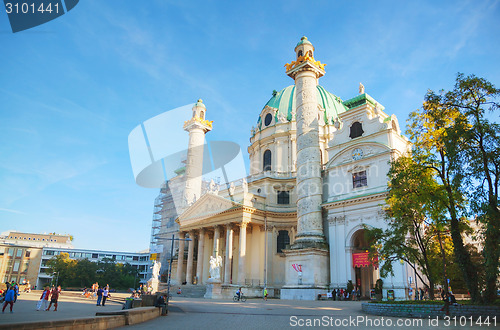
170 262
57 277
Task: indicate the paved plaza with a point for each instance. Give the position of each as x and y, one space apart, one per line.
71 305
196 313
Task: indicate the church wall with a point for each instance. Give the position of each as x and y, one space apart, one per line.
344 221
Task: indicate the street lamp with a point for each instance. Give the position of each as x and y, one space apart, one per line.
57 277
171 258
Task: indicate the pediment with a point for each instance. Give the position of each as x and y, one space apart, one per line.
345 156
207 206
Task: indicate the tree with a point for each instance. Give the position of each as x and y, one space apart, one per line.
64 267
413 205
479 156
433 145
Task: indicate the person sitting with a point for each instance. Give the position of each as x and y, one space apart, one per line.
161 301
239 293
452 299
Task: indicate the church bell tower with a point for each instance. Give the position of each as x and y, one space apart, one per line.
197 127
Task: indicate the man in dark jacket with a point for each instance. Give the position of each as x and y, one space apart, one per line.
99 296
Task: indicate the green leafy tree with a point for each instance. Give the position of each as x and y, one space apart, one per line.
433 145
478 155
413 204
64 267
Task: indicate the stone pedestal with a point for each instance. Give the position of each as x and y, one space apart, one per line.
314 278
154 283
214 289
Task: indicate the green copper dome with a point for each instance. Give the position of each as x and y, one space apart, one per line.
284 101
302 41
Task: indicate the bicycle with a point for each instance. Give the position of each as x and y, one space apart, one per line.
242 298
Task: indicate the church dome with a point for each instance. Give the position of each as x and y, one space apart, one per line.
284 102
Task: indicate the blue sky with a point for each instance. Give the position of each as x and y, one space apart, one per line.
73 89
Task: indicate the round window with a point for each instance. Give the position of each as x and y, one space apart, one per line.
268 119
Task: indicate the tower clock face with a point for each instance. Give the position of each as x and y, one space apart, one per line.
357 154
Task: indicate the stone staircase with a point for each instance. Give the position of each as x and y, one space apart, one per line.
189 291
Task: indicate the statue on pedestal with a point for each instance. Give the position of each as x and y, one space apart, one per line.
215 266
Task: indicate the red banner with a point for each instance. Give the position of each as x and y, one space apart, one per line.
363 260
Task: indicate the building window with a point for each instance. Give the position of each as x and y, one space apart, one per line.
136 258
283 240
267 160
356 130
28 253
16 267
359 179
268 119
10 252
95 256
283 197
19 253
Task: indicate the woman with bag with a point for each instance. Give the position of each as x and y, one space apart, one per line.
44 299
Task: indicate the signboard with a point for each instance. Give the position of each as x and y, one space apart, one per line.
363 260
153 256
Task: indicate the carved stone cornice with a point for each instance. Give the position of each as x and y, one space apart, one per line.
355 200
338 219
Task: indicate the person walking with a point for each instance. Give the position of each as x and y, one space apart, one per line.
44 299
9 299
54 295
99 296
265 294
105 295
16 290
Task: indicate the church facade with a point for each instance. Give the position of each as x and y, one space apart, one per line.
318 178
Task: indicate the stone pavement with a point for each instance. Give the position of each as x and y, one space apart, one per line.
195 313
70 306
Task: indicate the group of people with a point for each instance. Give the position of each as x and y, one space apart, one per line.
100 293
53 294
420 294
10 295
344 294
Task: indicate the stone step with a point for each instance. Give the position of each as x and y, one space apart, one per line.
190 291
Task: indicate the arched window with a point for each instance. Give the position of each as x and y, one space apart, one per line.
300 53
202 114
356 130
283 240
267 160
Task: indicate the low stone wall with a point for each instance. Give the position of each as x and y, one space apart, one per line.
425 310
81 323
102 320
135 315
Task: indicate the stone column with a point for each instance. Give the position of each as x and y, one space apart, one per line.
243 250
229 253
199 262
216 241
189 268
309 187
180 258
